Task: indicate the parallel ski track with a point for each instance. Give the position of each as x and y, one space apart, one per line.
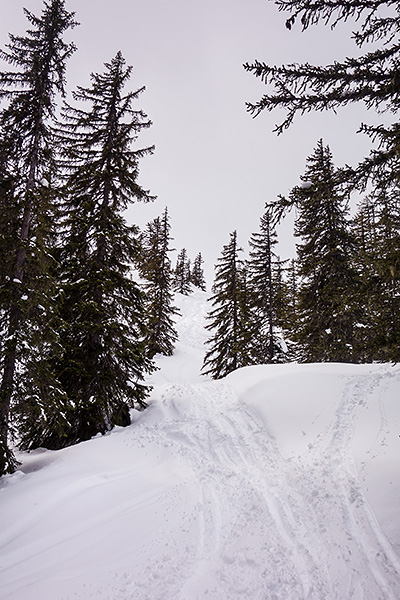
263 520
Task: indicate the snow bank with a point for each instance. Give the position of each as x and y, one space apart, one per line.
321 411
277 483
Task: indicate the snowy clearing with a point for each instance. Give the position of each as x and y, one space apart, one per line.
276 483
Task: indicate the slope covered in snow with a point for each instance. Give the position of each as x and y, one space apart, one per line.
276 483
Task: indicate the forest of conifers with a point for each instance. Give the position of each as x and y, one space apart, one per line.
87 300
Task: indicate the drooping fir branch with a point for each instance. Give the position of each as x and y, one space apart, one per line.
372 25
302 88
371 79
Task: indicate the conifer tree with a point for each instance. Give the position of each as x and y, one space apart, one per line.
182 274
8 220
377 229
387 202
327 313
228 343
197 274
288 314
155 267
104 360
38 62
281 290
369 78
266 346
364 230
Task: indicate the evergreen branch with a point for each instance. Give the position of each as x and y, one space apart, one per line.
311 13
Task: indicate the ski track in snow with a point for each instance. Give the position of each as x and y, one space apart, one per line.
236 514
264 523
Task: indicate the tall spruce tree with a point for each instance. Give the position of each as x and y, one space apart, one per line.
197 274
327 312
29 90
105 359
228 343
155 267
265 344
370 78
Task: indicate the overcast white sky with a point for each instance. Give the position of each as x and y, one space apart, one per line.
214 166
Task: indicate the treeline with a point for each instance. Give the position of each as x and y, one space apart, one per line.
78 327
161 281
338 300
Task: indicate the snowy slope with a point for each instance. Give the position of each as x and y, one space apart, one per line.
276 483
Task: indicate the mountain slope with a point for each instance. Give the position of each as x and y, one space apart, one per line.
278 482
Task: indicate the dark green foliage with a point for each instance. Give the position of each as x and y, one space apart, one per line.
9 214
40 403
104 358
377 229
28 312
370 78
229 342
182 274
265 293
287 302
155 267
327 314
197 274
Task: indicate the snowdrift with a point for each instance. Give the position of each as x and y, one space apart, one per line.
279 482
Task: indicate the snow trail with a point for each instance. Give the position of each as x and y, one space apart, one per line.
271 527
260 486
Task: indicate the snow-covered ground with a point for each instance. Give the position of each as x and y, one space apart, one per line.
276 483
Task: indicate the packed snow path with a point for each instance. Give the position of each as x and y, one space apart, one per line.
276 483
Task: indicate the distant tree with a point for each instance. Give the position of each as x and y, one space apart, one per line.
155 266
265 342
228 343
104 360
370 78
327 314
27 151
182 274
197 274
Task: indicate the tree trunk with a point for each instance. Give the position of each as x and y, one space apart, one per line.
7 459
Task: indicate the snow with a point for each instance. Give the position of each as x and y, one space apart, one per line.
279 482
306 185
